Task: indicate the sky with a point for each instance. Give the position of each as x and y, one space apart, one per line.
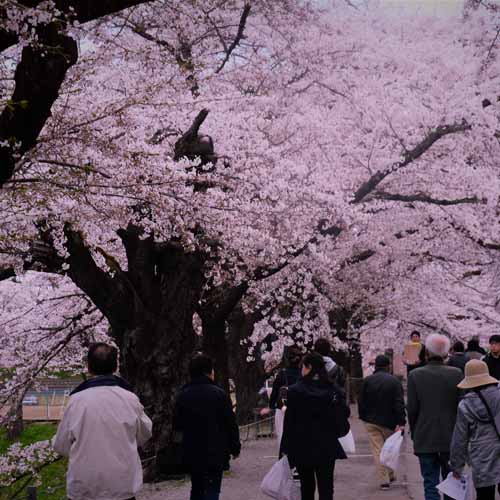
432 7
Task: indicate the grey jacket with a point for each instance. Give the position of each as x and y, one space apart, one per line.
474 439
432 406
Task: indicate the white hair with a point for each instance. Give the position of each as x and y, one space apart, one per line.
437 345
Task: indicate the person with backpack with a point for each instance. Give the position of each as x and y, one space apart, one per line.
316 416
476 437
335 371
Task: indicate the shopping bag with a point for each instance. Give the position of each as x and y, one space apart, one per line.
278 482
279 418
389 456
459 489
347 442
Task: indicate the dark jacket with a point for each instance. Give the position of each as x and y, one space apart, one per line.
381 400
204 416
310 435
458 360
493 365
285 378
432 406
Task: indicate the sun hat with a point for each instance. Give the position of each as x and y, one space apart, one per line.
476 375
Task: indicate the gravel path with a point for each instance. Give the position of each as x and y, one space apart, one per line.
354 478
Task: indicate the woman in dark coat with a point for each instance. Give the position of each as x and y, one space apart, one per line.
315 418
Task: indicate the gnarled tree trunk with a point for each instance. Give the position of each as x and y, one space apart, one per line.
248 376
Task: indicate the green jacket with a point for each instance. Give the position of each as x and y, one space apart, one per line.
432 406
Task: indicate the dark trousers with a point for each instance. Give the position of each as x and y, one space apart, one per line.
486 493
322 476
205 485
432 466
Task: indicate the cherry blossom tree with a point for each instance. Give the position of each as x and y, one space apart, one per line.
266 161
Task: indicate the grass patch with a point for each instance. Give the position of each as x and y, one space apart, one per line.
53 476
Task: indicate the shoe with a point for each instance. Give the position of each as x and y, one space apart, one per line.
385 486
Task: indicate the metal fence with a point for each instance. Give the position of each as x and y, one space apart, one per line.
45 405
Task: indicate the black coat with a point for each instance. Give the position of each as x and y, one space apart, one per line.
204 416
381 400
458 360
310 436
493 365
285 378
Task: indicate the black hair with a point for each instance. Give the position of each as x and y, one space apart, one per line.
317 364
495 338
458 346
473 345
200 365
322 346
293 357
102 359
415 332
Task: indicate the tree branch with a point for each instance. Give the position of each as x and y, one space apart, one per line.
84 11
238 37
424 198
6 273
408 157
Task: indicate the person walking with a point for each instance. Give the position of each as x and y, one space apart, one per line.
476 438
474 350
432 409
285 378
335 371
205 419
317 415
492 359
381 407
101 428
457 358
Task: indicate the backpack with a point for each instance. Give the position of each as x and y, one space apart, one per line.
337 375
341 412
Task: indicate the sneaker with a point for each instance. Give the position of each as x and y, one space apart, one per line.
385 486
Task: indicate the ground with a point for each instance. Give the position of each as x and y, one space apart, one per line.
355 478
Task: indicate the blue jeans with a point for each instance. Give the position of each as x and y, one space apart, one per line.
432 466
205 485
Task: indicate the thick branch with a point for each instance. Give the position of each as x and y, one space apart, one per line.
39 76
219 302
84 10
408 157
424 198
237 38
6 273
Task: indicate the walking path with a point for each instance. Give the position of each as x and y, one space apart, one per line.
355 478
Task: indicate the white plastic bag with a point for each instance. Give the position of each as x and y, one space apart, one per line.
459 489
278 482
279 418
347 442
389 456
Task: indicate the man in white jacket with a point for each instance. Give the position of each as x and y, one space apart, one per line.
102 427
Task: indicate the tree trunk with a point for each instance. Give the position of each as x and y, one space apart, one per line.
248 376
215 346
16 425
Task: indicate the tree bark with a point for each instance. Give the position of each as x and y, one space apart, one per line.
215 346
248 376
150 309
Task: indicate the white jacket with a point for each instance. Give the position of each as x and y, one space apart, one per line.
100 432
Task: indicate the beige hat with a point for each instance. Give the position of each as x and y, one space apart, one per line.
476 375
